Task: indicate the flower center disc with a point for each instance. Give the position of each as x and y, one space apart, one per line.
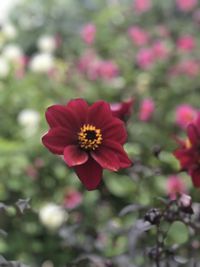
89 137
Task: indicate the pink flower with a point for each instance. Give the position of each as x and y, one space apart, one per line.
88 33
147 108
21 65
186 5
32 172
142 6
184 115
138 35
175 186
190 67
89 64
162 31
185 201
145 58
108 69
186 43
122 110
72 199
160 50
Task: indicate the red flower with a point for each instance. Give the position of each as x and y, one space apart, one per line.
89 137
123 109
188 153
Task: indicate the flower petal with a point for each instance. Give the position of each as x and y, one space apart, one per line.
63 116
125 162
195 174
73 156
115 131
185 156
56 139
80 107
111 156
56 116
193 134
99 114
89 173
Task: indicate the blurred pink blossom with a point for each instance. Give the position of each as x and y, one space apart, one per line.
32 172
185 201
186 43
58 40
196 16
108 69
162 31
122 110
185 114
160 50
145 58
186 5
89 64
86 60
21 65
189 67
72 199
141 6
175 186
88 33
146 110
138 35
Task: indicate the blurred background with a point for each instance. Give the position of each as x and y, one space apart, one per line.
55 50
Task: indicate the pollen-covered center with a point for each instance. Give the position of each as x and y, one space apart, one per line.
89 137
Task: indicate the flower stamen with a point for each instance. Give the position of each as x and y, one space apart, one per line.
188 143
89 137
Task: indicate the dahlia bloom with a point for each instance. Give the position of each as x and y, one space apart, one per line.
160 50
184 114
88 33
186 43
138 35
108 69
123 109
146 109
175 186
145 58
142 6
89 138
188 153
72 199
186 5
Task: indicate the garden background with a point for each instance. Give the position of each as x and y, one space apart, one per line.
53 51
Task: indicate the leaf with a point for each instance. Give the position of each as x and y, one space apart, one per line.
3 261
2 206
178 234
23 204
3 233
131 208
120 185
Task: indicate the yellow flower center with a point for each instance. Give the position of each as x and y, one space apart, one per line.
188 143
89 137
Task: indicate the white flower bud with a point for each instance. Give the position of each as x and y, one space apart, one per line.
52 216
47 44
42 63
4 68
9 31
29 120
12 52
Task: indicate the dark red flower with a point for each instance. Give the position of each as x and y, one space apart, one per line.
188 153
90 139
123 109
